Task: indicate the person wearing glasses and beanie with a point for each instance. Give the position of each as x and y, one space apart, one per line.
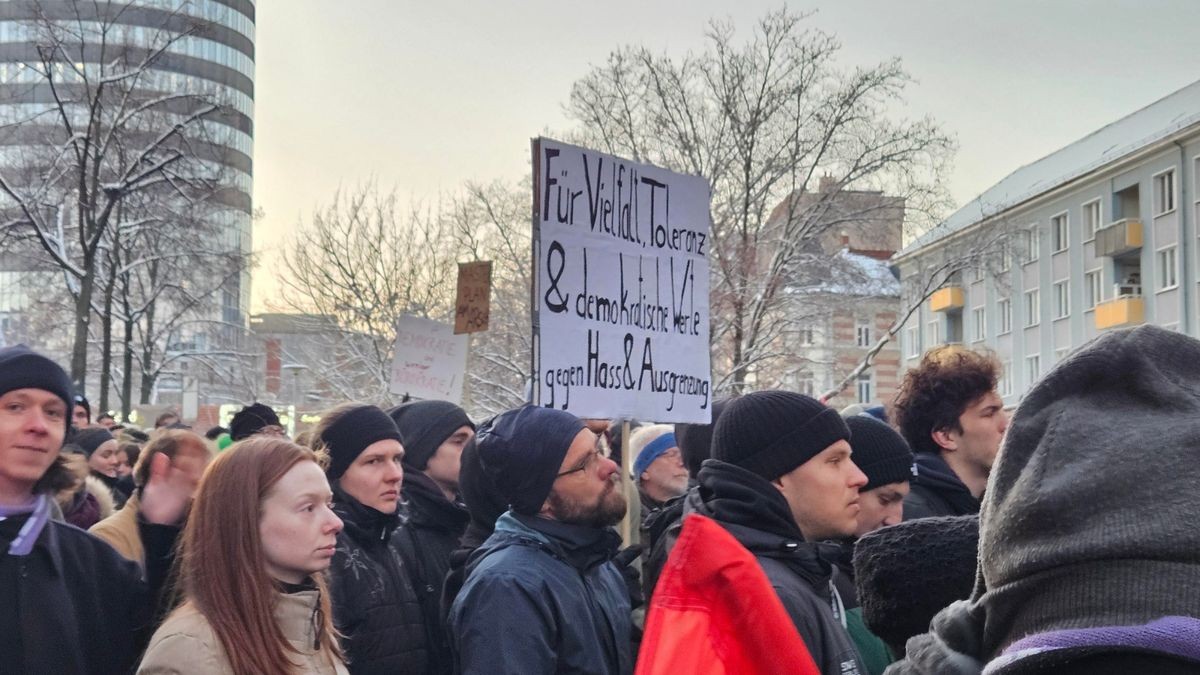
542 594
375 608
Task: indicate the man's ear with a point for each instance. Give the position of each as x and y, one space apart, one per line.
946 439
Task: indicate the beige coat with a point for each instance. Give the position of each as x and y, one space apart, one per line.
120 530
186 643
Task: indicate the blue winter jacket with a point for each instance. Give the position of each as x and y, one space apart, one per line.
542 597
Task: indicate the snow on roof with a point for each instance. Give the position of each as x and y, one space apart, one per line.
857 275
1125 136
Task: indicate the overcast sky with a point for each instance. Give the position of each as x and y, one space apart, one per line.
425 96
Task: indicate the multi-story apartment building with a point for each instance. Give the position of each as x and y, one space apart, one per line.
1100 234
841 312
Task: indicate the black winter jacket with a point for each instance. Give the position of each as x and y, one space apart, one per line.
435 526
758 516
937 491
542 597
74 605
374 605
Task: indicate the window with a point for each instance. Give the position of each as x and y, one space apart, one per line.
1062 299
1005 257
1061 353
863 334
979 321
1005 380
1093 292
914 342
864 387
977 274
1004 310
935 332
1060 237
805 383
1091 219
806 336
1031 244
1033 368
1164 192
1033 307
1167 271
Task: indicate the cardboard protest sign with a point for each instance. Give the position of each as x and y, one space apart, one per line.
430 361
621 319
472 305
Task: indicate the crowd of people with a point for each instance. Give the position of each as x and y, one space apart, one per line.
938 535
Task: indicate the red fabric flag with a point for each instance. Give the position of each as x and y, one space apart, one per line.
714 613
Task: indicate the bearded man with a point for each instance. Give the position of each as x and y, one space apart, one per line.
542 594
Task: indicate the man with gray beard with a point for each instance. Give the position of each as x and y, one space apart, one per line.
542 594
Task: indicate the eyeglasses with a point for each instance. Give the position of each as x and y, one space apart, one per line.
584 464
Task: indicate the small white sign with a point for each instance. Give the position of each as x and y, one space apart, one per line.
430 361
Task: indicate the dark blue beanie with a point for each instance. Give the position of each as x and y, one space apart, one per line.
23 368
521 451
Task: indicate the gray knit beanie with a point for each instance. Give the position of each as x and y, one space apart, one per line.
1089 518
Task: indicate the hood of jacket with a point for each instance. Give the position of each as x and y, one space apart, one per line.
935 474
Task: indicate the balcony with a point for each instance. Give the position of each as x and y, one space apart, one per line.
946 299
1124 311
1123 236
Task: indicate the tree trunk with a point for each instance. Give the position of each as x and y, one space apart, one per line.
148 376
127 382
83 317
106 343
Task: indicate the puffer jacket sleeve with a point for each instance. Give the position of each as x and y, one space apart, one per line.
951 647
502 626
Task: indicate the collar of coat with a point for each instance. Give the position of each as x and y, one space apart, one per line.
580 546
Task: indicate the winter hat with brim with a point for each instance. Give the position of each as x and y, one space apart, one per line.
522 451
770 433
879 451
354 431
425 425
90 439
23 368
252 419
1089 517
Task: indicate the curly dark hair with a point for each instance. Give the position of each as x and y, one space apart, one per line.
934 395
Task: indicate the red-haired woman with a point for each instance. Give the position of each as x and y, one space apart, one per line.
254 602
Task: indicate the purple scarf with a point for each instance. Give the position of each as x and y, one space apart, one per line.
39 507
1177 636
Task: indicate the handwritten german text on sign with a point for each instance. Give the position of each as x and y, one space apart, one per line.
621 302
430 360
473 304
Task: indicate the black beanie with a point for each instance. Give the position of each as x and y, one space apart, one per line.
356 429
484 502
522 450
695 440
770 433
906 573
22 368
91 438
252 419
425 425
880 451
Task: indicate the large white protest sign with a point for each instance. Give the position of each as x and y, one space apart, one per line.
621 300
430 360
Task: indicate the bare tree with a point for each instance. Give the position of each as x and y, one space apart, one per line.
99 126
764 121
362 263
